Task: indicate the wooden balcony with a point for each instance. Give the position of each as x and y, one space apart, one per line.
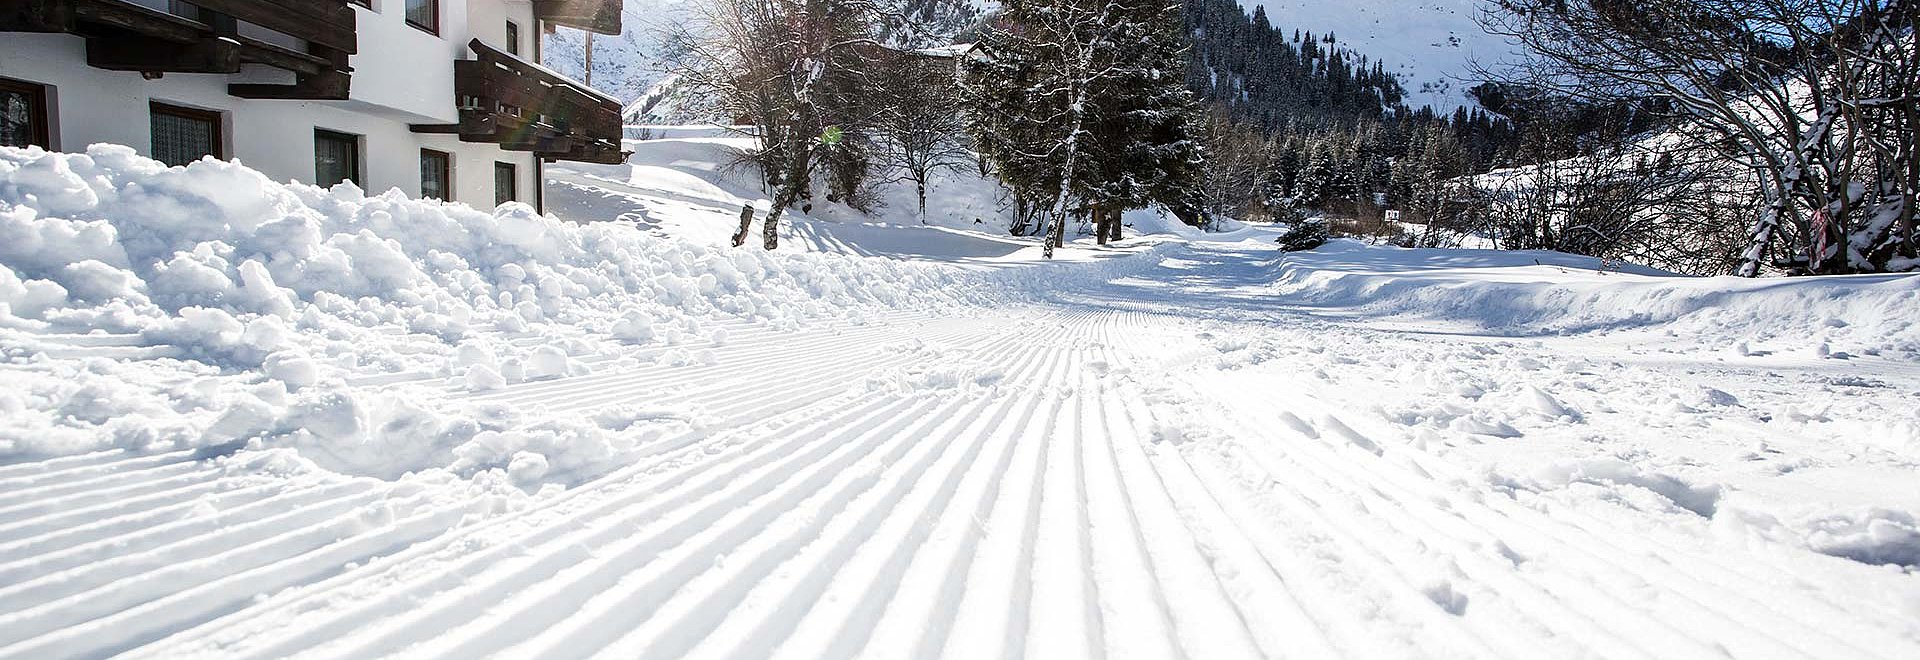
598 16
522 107
204 36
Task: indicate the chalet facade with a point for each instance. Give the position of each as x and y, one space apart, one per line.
439 98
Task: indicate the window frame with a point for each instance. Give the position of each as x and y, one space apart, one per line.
513 38
39 113
217 119
406 15
359 174
513 182
446 174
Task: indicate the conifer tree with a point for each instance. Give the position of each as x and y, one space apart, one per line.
1080 107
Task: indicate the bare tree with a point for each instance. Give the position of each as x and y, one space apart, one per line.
1815 97
1239 159
921 122
789 68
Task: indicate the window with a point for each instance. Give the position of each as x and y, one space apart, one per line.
336 158
436 175
505 180
23 114
183 135
513 38
424 14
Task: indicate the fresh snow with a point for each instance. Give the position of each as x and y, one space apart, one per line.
252 419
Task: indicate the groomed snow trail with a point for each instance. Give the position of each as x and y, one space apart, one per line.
1106 475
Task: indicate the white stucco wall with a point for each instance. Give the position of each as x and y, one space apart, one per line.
401 76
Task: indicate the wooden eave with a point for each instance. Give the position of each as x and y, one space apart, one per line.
123 36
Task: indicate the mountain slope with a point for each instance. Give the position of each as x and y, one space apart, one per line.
1427 43
625 65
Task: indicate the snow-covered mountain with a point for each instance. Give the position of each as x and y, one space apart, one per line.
1427 43
625 65
669 101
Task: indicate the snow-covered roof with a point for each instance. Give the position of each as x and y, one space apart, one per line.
955 50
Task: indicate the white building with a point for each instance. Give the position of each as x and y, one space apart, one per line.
438 98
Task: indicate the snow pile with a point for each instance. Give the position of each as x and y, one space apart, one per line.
1531 293
149 307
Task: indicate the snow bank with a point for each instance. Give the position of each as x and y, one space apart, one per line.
149 307
1528 293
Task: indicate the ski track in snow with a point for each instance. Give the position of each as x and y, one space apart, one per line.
1086 502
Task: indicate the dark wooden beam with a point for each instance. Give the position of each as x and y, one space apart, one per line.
539 142
93 15
598 153
260 52
323 86
148 54
328 23
436 129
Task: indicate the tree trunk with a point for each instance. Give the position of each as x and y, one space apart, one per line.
921 188
1911 155
746 222
770 236
1056 235
1099 225
1762 236
793 187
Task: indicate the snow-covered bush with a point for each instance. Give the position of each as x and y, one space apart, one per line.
1304 235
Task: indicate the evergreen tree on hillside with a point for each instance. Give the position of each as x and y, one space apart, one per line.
1335 119
1077 105
1143 148
1009 89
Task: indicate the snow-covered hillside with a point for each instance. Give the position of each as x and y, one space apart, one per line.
1428 43
625 65
251 419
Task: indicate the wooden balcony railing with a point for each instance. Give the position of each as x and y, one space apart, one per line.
124 36
522 107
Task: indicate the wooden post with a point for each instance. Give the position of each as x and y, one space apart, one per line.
746 222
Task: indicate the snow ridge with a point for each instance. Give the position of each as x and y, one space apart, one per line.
292 305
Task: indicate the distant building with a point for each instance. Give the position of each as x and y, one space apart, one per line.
438 98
